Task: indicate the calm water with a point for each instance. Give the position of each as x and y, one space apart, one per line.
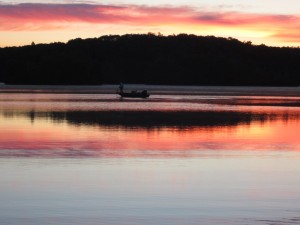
172 159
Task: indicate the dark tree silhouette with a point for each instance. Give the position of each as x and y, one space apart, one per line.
151 59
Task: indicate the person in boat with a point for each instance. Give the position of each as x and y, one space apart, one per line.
121 87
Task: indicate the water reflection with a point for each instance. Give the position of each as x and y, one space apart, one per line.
90 159
138 128
155 119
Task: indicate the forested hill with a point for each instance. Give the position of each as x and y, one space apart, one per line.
151 59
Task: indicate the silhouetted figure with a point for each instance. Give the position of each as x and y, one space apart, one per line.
121 87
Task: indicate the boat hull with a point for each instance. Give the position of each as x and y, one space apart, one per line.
134 94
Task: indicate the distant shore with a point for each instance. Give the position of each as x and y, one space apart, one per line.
156 89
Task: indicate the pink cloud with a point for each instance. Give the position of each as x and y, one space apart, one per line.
289 36
58 16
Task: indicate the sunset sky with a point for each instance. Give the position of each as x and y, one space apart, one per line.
271 22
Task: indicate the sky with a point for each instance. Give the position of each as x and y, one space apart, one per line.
270 22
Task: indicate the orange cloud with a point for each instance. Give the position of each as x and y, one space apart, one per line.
43 17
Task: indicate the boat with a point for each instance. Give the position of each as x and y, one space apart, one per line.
134 94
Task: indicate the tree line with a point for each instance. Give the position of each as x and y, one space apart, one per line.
151 59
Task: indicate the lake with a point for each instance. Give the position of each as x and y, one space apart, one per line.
89 158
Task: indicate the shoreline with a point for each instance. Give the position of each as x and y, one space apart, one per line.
155 89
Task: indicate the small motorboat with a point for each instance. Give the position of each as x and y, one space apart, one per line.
134 94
